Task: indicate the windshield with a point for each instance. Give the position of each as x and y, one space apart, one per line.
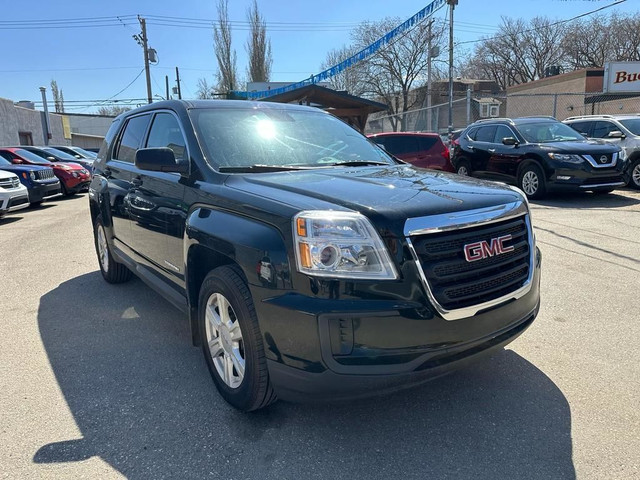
548 132
31 157
632 124
85 153
278 137
4 162
61 155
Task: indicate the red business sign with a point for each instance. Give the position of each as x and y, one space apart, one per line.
622 77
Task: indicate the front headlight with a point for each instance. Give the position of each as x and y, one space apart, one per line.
75 174
565 157
340 245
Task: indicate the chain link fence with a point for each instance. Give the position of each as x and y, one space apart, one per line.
473 106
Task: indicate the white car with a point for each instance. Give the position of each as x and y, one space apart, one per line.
13 195
623 130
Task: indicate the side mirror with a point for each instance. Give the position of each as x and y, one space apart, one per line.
159 160
616 134
51 159
510 141
78 156
17 161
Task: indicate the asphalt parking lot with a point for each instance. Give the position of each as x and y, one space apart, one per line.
101 381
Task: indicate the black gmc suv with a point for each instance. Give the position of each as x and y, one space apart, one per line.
310 263
538 154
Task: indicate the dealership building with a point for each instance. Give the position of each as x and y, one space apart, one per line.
614 89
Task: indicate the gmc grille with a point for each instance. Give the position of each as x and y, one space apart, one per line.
456 283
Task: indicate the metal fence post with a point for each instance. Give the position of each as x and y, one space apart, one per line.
555 104
468 104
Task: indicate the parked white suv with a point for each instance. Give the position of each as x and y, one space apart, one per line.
13 195
623 130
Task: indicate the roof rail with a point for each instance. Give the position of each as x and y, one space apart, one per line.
539 116
496 119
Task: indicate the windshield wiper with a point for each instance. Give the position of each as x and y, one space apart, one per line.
261 168
355 163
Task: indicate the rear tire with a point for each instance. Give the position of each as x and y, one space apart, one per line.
112 271
464 168
232 342
634 174
531 181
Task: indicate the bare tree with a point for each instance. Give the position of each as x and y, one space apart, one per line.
58 97
227 76
351 79
113 111
205 91
395 70
520 52
258 47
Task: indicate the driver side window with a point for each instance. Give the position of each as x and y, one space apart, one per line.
166 132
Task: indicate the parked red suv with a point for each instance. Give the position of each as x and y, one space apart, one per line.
424 150
73 177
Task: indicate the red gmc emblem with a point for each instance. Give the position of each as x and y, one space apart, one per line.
480 250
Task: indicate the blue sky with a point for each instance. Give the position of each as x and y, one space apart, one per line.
92 63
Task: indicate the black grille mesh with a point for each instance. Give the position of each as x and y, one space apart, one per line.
457 283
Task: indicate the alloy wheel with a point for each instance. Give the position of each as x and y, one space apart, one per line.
103 249
224 339
635 175
530 183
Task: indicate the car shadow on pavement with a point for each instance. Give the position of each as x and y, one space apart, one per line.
588 200
9 219
144 402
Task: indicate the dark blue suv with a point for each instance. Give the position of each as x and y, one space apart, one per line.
40 181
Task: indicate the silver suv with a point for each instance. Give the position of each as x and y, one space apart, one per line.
623 130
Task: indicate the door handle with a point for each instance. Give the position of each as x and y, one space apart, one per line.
136 181
492 150
471 147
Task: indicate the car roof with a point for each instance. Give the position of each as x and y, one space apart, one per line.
217 104
602 117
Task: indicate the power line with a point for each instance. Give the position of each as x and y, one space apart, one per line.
560 22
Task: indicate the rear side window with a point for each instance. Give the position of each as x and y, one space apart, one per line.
582 127
401 144
472 133
165 132
486 134
426 143
131 138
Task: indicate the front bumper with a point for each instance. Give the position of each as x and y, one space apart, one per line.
44 190
586 178
373 347
12 201
75 185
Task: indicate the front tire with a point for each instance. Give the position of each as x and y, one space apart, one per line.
634 174
531 181
232 342
111 270
463 168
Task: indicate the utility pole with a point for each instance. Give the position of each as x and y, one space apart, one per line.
452 4
166 86
178 83
142 41
47 134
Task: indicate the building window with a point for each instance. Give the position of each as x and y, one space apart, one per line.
25 138
489 110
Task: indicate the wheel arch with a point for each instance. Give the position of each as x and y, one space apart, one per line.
215 238
535 160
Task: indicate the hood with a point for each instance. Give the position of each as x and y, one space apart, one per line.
69 166
6 174
586 147
23 168
387 195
